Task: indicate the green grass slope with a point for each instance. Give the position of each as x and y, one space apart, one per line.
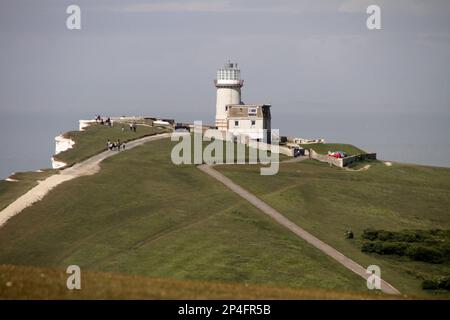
142 215
329 201
93 139
87 143
11 190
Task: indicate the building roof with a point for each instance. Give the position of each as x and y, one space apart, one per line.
240 111
249 105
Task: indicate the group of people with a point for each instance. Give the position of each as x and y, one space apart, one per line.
133 126
117 145
100 120
109 122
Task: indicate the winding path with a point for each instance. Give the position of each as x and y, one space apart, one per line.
84 168
278 217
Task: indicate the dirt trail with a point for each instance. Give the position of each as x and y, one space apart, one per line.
84 168
278 217
365 168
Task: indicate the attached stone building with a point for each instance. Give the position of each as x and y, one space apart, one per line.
249 120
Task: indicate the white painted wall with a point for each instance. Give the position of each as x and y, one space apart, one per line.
226 96
245 127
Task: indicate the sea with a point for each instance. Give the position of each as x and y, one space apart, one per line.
27 138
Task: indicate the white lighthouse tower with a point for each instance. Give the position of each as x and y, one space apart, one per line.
228 84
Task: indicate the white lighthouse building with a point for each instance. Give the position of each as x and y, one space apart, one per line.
228 84
251 121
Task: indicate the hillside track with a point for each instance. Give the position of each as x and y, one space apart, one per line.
84 168
278 217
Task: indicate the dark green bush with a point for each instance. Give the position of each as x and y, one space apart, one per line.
415 252
370 234
397 248
432 246
435 284
369 246
425 254
385 235
380 247
406 235
445 283
430 285
445 249
410 236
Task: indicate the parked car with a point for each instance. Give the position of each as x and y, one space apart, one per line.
337 154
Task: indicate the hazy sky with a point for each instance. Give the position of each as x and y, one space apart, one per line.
160 57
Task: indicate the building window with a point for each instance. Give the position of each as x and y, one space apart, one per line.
253 122
236 123
252 112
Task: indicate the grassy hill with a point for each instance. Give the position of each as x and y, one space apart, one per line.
329 201
141 215
141 218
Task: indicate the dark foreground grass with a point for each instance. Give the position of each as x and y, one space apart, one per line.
329 201
141 215
18 282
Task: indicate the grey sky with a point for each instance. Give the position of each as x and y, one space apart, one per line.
160 57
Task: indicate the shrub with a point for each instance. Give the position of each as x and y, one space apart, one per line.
432 246
445 283
426 254
384 248
410 236
386 235
445 249
374 247
435 284
406 235
430 285
370 234
397 248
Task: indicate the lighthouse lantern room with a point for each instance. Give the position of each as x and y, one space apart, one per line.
228 84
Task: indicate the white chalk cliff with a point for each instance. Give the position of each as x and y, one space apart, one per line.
62 144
